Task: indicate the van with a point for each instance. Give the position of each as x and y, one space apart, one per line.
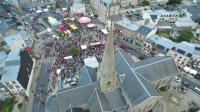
197 90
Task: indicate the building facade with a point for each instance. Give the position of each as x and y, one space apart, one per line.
126 3
105 8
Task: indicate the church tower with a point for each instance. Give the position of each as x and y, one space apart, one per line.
106 72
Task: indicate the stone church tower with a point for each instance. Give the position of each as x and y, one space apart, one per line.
106 72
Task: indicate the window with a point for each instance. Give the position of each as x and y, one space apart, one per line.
13 82
17 86
108 83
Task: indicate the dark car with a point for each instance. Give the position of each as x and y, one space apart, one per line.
186 84
197 76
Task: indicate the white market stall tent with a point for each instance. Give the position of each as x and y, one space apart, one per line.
58 71
104 31
91 62
68 57
83 47
91 25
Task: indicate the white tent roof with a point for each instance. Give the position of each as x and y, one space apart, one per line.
187 69
68 57
58 71
104 31
91 25
38 11
83 47
192 71
91 62
46 10
48 30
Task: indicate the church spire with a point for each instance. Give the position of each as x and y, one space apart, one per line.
106 72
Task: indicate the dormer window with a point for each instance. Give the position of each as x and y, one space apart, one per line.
108 83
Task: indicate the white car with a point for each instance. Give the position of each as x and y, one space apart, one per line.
177 79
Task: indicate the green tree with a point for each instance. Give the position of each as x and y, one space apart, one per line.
145 2
185 35
74 51
174 2
7 105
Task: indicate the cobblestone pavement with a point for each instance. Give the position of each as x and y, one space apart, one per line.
184 99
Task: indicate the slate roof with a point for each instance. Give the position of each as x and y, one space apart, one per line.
73 97
144 30
125 22
3 26
3 55
137 93
188 47
84 77
92 73
162 41
116 100
156 68
12 66
98 102
154 17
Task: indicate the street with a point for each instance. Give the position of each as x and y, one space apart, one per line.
41 93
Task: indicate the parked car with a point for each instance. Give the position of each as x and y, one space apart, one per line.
186 84
177 79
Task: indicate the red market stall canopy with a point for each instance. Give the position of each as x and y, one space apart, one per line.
61 27
84 20
28 49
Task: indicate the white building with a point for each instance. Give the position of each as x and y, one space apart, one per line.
17 72
170 16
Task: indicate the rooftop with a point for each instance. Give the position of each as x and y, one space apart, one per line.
12 66
162 41
125 22
3 55
189 47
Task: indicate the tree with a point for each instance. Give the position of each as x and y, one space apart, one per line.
145 2
185 35
174 2
74 51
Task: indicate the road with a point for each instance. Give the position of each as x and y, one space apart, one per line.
192 84
42 87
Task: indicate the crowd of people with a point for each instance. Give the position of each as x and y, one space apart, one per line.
59 48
